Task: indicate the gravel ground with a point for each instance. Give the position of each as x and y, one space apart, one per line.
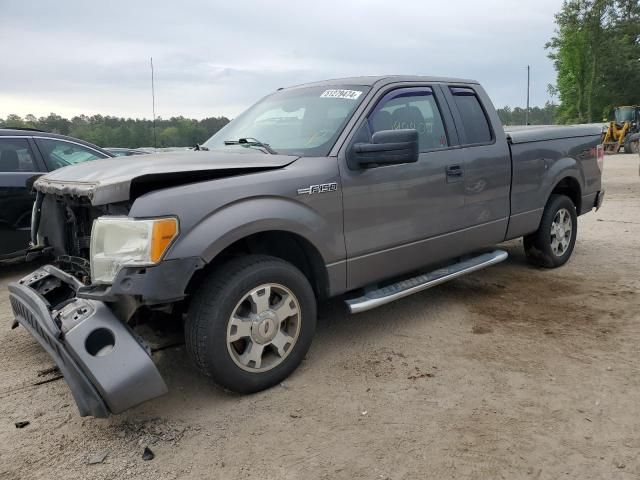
512 372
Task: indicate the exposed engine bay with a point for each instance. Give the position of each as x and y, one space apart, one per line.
63 225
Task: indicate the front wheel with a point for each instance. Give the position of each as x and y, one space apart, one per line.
552 244
251 322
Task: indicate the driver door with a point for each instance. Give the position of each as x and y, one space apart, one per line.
399 218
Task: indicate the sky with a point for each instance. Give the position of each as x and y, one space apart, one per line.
215 58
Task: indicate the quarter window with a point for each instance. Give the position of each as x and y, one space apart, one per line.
16 155
58 153
474 121
411 108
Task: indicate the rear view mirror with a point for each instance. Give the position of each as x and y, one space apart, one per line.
387 147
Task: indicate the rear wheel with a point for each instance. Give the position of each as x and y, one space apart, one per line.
251 322
552 244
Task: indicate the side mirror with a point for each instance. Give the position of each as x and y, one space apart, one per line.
387 147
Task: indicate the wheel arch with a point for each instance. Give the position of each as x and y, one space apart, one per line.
280 227
286 245
570 187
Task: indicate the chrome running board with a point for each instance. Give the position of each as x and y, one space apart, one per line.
404 288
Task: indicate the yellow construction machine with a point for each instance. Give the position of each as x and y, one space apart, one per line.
624 131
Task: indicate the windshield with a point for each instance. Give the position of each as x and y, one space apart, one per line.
300 121
624 114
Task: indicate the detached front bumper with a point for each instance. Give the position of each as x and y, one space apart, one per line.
105 365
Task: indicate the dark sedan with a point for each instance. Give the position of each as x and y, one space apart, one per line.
24 156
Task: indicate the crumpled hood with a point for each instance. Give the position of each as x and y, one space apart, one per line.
119 179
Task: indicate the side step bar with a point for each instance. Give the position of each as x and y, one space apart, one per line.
404 288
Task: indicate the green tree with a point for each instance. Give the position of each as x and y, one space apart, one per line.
596 54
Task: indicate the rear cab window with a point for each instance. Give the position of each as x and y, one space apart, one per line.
475 126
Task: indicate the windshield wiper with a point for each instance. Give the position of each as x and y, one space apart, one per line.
251 142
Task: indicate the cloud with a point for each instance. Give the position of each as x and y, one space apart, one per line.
214 58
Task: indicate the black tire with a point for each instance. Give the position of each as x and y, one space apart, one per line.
538 245
215 301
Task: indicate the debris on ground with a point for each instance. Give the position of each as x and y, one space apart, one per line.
619 464
22 424
418 374
151 431
49 371
148 454
481 329
98 457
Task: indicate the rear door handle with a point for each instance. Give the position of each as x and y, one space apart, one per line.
454 173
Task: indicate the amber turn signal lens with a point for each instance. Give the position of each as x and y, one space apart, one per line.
164 231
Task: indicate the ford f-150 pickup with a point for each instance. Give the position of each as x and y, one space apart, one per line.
371 188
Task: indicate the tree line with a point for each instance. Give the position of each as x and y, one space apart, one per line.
596 54
537 115
108 131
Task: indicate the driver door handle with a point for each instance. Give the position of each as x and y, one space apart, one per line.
454 173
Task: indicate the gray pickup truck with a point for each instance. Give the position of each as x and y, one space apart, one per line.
372 188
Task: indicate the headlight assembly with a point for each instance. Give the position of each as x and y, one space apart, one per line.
121 241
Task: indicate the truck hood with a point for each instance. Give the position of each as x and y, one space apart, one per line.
118 179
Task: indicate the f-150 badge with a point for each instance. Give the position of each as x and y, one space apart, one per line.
322 188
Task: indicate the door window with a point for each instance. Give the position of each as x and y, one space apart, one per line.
16 155
474 121
59 153
414 108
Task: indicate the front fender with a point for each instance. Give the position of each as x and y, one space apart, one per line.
245 217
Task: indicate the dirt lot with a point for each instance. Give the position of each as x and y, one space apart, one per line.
512 372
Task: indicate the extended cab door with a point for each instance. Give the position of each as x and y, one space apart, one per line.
18 166
398 218
487 159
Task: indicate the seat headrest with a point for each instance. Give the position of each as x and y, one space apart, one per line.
408 117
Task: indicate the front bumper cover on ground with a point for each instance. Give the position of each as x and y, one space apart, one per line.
105 365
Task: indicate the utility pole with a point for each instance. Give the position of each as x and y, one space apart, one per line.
153 106
526 115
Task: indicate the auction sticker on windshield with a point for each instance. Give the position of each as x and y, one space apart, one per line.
348 94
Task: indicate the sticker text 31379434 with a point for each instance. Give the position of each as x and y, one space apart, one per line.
341 93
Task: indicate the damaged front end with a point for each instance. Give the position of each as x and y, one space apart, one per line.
107 368
84 327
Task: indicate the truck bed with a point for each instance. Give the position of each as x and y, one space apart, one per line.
538 133
541 156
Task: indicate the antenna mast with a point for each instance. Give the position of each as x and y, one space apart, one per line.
526 115
153 106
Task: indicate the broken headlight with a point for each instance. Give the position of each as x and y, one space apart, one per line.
117 242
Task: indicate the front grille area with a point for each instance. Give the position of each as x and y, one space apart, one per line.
78 230
65 227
